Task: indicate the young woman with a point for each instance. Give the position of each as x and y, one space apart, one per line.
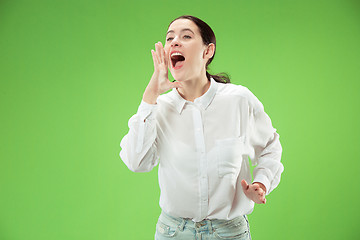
201 134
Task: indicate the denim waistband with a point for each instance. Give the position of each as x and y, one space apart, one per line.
206 223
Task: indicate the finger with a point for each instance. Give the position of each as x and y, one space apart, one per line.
244 185
255 186
176 85
157 53
261 192
166 58
162 54
154 58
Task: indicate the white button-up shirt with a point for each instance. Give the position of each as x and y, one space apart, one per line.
203 150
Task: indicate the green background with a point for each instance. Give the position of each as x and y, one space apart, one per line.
73 72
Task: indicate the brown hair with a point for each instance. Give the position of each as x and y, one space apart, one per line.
208 36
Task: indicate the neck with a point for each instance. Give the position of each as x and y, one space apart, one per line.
194 88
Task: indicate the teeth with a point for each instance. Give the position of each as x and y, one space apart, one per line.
176 53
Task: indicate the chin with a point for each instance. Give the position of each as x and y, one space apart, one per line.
177 77
181 76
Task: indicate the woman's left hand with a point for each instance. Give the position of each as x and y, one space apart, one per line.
255 191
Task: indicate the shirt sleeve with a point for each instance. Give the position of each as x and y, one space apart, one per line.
138 146
265 147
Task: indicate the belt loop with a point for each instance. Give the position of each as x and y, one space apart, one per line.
182 225
210 227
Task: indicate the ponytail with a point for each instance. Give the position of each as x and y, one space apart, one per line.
220 77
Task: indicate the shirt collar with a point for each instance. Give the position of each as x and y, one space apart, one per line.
203 100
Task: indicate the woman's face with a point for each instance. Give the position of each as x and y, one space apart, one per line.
183 36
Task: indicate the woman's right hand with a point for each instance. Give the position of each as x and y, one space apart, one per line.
159 82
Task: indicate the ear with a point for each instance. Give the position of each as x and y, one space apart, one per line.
209 51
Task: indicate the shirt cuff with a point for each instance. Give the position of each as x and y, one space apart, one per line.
147 110
264 180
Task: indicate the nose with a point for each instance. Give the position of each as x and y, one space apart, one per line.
175 42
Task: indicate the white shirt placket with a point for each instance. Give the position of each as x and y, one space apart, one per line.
200 150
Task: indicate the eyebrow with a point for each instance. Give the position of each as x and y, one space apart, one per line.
182 30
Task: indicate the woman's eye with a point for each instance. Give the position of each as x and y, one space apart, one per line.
185 36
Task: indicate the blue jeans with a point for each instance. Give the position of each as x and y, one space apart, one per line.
169 227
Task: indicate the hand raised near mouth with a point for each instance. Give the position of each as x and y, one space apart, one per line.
159 82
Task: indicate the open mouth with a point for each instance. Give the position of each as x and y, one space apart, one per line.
177 61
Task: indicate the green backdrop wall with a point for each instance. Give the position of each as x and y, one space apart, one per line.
73 72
